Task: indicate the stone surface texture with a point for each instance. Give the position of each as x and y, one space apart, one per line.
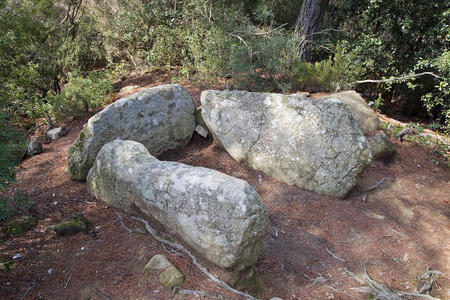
313 145
219 217
55 133
365 117
161 118
35 148
171 277
381 146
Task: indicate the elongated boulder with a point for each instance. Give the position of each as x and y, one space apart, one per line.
161 118
220 217
365 117
314 145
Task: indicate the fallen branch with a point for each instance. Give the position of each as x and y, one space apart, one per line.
326 225
397 78
375 185
380 291
99 293
205 271
335 256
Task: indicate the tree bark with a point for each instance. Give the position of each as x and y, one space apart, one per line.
308 25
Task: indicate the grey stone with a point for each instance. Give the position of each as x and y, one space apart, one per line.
129 88
55 133
381 146
313 145
171 277
157 262
202 131
199 118
219 217
365 117
161 118
35 148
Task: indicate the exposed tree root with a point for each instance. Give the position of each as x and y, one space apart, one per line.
222 283
381 292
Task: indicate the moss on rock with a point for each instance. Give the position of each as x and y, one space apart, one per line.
76 223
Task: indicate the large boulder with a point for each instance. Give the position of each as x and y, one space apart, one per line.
314 145
161 118
365 117
219 217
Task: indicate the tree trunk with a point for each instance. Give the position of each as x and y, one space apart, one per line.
308 25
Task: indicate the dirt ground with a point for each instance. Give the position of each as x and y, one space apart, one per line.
396 231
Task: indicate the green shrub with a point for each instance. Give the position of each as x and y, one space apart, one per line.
80 95
338 72
12 150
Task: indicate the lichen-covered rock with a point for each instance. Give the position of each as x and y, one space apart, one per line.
157 262
161 118
365 117
55 133
219 217
314 145
34 148
381 146
171 277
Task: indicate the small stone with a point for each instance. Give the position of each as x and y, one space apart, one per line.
171 277
275 298
55 133
34 148
157 262
129 88
202 131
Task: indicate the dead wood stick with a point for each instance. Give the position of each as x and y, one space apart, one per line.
375 185
335 256
326 225
205 271
397 78
99 293
29 289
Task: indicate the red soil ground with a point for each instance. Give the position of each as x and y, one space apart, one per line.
401 229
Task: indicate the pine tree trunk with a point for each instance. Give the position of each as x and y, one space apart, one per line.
308 25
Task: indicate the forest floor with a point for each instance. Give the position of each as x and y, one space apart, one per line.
397 232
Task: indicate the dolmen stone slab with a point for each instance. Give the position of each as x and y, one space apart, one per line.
161 118
217 216
313 145
365 117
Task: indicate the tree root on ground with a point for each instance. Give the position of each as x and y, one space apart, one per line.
381 292
221 283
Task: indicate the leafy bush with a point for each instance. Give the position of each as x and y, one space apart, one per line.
80 95
12 150
337 72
